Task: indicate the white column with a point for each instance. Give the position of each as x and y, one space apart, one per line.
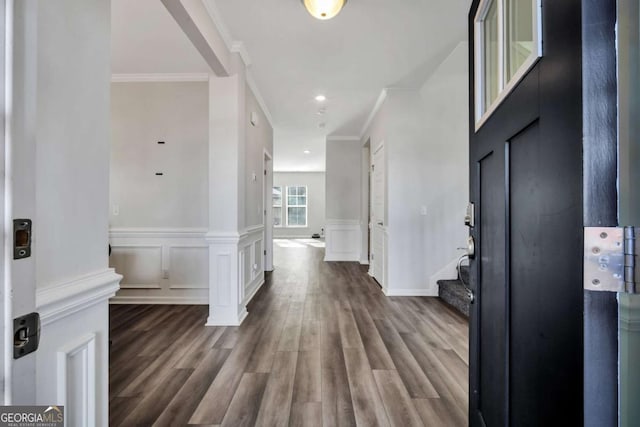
227 111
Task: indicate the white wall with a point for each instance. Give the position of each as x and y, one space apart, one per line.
141 115
426 142
71 221
158 223
343 180
259 139
343 200
315 182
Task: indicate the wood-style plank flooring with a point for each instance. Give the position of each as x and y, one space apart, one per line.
322 345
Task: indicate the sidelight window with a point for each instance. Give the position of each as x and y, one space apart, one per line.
277 206
507 45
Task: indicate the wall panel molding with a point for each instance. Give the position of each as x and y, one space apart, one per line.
178 273
236 271
342 240
76 378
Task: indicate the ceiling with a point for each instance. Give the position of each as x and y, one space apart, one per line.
146 39
369 46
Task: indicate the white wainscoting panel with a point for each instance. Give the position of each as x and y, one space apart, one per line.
161 266
77 381
343 240
188 267
140 265
253 248
236 261
72 361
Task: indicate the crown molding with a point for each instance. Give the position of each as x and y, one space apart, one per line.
256 93
236 46
214 13
376 108
159 77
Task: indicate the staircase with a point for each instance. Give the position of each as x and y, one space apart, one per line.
455 293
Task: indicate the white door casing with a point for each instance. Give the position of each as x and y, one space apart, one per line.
378 214
19 187
66 196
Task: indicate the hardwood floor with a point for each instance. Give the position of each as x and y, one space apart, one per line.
322 345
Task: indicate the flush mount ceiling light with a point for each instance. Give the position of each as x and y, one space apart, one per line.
307 152
321 98
324 9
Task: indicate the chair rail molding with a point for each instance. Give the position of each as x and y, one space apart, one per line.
60 300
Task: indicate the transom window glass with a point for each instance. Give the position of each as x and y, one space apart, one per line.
520 34
507 44
491 58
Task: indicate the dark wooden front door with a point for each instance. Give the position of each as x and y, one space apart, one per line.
526 181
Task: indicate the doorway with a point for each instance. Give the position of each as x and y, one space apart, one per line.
267 195
378 229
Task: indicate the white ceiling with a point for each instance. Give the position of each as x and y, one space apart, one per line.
146 39
370 45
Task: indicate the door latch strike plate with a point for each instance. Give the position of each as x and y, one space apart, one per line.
611 259
26 334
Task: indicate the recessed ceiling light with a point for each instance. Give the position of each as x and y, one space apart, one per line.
307 152
321 98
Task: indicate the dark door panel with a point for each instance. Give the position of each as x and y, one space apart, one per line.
490 304
545 284
526 353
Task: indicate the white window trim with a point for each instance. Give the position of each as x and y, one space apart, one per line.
282 213
305 206
505 88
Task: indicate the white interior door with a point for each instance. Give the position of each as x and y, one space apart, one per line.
378 214
18 190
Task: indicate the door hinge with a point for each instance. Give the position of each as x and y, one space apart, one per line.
265 251
611 259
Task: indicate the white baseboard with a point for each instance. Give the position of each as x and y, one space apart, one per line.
410 292
169 300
